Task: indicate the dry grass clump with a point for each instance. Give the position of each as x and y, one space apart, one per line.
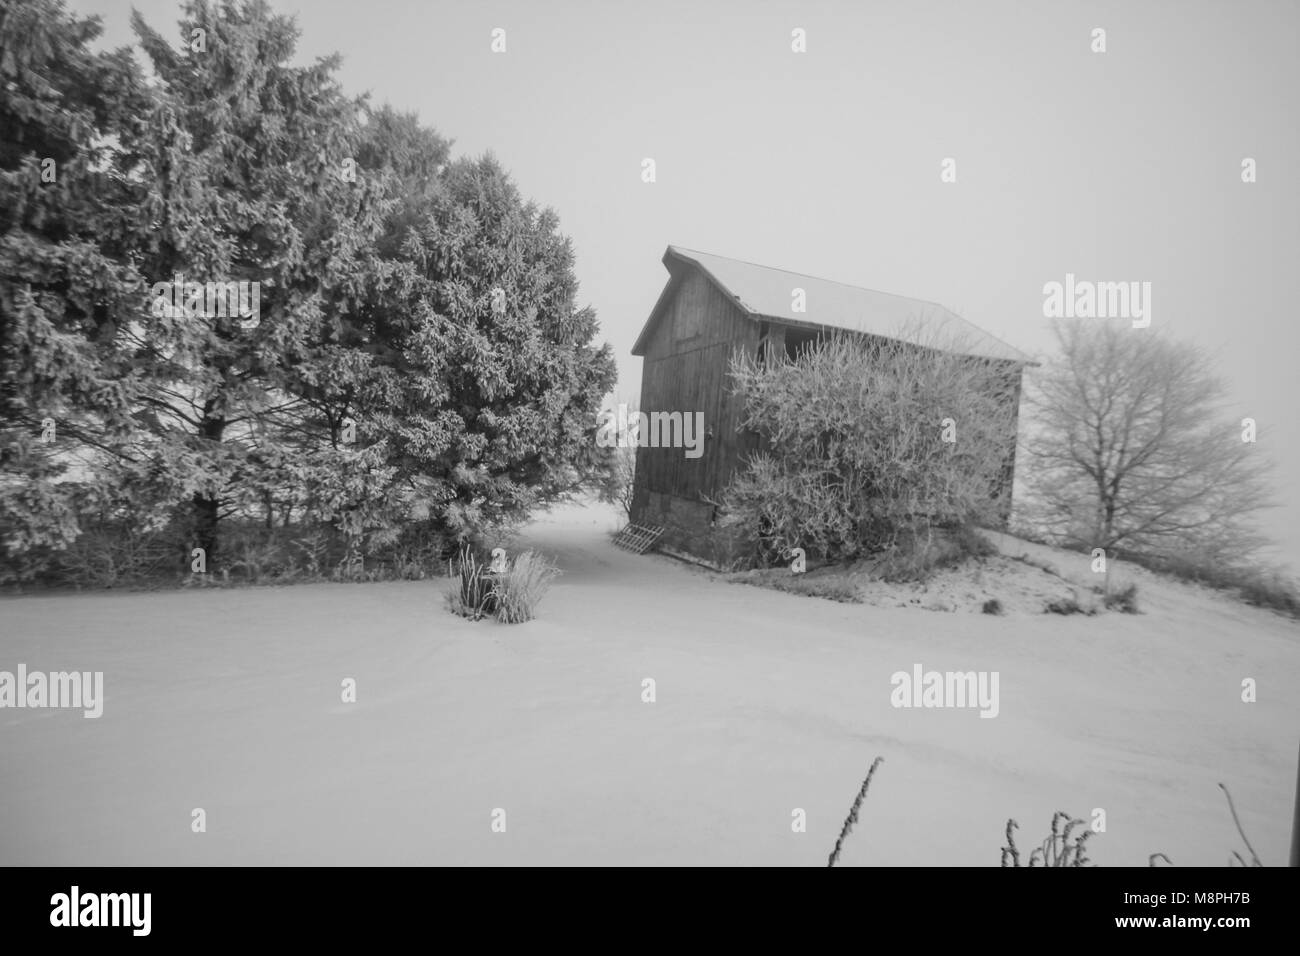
853 812
1061 848
511 596
521 588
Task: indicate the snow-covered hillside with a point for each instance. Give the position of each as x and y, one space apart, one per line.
765 702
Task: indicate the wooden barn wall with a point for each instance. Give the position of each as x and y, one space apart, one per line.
685 370
1007 485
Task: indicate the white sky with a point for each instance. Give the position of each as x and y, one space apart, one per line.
1116 166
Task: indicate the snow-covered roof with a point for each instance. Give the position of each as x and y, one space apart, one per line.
761 291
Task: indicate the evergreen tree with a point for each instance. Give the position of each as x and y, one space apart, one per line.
481 377
247 162
67 279
416 358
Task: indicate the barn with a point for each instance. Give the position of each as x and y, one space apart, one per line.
712 306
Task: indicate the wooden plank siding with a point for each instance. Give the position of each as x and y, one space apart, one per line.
685 371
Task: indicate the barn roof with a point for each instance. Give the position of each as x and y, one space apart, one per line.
763 292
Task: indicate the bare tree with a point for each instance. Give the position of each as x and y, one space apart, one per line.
1128 444
617 471
618 481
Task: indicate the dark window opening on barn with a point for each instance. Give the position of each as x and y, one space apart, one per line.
799 341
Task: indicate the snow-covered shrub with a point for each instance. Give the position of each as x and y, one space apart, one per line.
1123 600
871 442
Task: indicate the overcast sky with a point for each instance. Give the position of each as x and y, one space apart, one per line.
1123 165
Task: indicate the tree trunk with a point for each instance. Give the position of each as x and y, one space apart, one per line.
206 506
205 527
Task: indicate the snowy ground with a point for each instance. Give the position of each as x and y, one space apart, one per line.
230 700
1023 577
